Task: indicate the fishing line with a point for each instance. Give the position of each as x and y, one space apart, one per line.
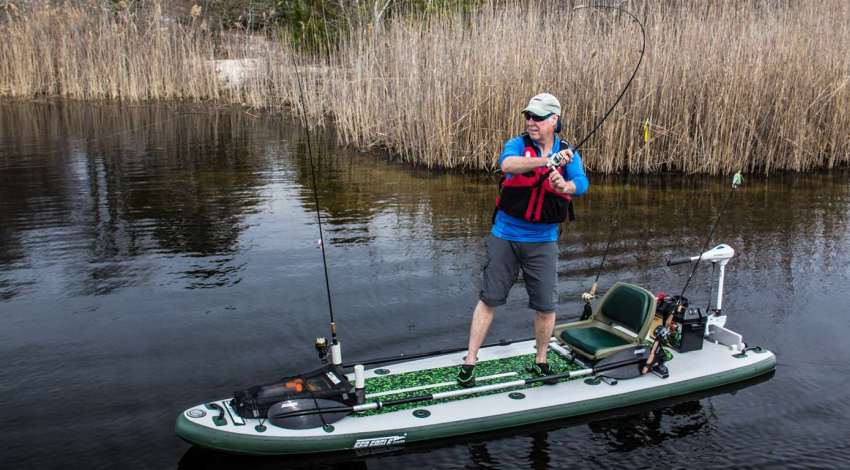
315 196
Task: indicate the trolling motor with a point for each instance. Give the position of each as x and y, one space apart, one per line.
683 327
719 256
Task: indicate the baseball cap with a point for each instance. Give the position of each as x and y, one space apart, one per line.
543 104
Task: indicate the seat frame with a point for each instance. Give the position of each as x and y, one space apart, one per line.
600 321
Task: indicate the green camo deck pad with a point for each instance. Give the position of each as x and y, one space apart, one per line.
448 374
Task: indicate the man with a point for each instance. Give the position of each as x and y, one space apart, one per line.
534 198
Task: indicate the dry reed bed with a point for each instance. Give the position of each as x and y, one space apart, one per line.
84 51
734 86
760 86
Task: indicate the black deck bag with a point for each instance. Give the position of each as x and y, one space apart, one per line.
327 382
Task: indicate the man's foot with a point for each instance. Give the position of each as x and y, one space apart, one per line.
540 369
660 370
466 376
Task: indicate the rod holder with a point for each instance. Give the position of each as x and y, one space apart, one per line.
336 354
359 376
360 383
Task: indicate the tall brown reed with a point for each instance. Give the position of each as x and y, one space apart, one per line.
724 86
760 86
83 50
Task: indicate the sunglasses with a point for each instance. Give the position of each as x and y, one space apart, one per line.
535 117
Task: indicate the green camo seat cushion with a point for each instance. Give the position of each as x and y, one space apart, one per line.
592 339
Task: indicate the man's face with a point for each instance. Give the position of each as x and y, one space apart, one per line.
538 128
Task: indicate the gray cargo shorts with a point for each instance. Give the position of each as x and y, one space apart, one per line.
539 263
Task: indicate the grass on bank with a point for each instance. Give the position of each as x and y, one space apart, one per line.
761 86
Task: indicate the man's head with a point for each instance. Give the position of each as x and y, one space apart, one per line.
542 116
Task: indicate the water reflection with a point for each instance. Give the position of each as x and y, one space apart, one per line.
358 195
114 193
102 186
651 428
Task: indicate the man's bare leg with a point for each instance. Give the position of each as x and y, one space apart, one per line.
482 317
544 323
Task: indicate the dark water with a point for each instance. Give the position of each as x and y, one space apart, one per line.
155 257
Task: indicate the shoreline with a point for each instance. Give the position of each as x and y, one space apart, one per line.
389 158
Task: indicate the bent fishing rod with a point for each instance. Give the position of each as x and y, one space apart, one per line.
588 297
631 78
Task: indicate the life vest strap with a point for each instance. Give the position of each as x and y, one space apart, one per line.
530 195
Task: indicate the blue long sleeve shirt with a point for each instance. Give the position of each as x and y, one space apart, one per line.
512 228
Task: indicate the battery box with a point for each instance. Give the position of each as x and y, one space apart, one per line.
690 330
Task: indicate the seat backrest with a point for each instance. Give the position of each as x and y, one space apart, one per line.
627 305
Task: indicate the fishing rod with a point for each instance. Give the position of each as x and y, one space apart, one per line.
321 343
737 180
555 160
663 330
588 297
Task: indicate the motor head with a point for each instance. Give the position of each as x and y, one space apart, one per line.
719 253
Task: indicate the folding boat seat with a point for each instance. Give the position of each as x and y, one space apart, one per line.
620 320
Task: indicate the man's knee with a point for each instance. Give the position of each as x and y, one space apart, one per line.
486 307
490 303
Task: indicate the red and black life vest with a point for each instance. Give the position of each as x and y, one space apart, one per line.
530 196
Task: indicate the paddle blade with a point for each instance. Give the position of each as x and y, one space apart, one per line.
307 413
625 364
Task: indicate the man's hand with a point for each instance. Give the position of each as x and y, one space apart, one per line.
560 184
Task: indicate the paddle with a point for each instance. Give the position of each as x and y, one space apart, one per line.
305 413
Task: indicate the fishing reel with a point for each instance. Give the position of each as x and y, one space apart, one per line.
555 161
667 308
321 345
